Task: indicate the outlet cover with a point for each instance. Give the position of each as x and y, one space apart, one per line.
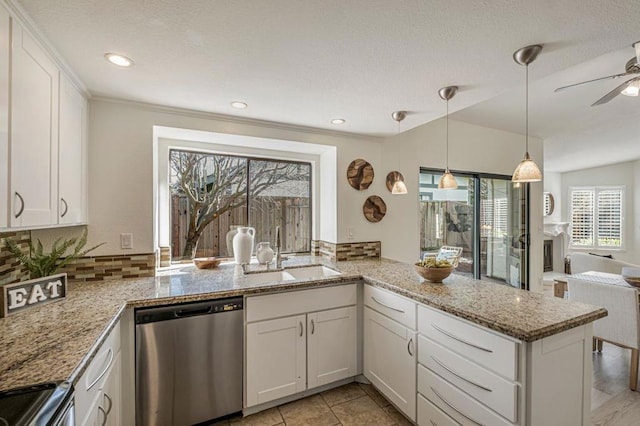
126 241
350 231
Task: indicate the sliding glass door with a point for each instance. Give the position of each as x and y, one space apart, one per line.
486 215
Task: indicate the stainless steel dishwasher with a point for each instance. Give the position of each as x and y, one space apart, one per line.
188 362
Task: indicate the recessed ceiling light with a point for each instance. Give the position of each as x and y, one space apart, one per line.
338 121
239 105
119 60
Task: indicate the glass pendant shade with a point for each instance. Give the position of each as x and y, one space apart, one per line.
633 89
447 181
399 188
527 171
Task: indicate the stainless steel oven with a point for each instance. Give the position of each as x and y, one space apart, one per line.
44 404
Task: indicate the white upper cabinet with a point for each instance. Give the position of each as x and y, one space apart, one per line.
34 133
5 48
72 154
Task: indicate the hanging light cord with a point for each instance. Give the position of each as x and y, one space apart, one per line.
447 134
526 109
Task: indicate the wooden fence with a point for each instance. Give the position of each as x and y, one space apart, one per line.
293 215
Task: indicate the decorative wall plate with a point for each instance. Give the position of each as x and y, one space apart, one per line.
374 209
360 174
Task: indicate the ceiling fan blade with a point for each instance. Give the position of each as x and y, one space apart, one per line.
615 92
609 77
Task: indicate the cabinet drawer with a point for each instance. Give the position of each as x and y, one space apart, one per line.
485 386
484 347
430 415
454 402
95 375
396 307
298 302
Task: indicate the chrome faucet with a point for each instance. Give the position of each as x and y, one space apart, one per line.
279 257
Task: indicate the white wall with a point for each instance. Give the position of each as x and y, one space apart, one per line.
471 148
626 174
121 169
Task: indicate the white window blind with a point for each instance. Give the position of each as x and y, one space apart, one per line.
610 218
582 212
597 217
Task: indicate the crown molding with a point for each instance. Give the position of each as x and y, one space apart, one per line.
235 120
18 13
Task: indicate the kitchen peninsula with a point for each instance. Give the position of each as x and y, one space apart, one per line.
546 341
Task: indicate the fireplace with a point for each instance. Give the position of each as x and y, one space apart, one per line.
556 246
547 261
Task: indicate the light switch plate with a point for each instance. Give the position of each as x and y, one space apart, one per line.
126 241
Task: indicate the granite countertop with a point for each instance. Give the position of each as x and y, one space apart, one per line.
57 341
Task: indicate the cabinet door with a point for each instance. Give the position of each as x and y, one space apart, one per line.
34 133
332 346
5 35
390 361
276 359
111 395
72 144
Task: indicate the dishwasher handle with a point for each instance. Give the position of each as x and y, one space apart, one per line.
182 313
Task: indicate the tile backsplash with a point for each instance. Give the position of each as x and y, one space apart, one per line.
346 251
90 268
11 271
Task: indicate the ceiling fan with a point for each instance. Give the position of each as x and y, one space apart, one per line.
630 87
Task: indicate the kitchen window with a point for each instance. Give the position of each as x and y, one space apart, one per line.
597 217
211 193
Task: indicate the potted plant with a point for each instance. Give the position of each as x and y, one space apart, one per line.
43 286
41 264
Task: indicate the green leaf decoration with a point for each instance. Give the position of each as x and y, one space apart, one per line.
41 264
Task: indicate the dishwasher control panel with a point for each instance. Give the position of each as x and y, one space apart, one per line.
185 310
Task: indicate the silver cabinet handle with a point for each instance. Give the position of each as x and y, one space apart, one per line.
17 215
386 306
66 207
313 327
110 401
446 333
301 329
409 346
454 408
103 371
104 415
441 364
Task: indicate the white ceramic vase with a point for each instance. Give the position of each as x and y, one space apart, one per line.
264 253
243 245
233 230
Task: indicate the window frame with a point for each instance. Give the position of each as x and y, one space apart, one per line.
596 190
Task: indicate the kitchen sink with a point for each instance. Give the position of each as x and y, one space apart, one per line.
312 272
268 277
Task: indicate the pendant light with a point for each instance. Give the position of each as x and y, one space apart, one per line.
395 180
527 170
447 181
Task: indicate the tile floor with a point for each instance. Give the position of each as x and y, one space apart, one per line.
351 404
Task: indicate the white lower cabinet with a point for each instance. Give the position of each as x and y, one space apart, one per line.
331 337
390 360
288 355
276 359
430 415
98 392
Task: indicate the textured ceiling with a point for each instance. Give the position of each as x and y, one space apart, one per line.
304 62
576 135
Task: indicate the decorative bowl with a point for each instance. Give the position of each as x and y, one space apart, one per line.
631 276
206 262
434 275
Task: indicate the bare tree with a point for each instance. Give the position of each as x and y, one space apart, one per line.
215 184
